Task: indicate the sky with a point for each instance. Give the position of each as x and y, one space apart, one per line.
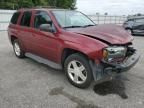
112 7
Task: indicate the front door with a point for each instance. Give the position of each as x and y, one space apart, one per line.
46 43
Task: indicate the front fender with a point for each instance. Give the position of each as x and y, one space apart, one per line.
93 49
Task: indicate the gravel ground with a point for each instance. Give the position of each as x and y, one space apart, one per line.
25 83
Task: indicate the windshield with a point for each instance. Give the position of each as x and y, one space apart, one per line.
71 19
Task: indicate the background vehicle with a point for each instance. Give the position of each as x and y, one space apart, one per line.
69 40
135 25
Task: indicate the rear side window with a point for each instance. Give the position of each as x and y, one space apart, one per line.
15 17
25 21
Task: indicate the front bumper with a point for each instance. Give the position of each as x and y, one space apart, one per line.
105 71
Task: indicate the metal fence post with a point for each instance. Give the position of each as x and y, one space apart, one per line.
98 19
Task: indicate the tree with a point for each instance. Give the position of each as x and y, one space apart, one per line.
40 2
15 4
97 13
139 14
25 3
67 4
106 13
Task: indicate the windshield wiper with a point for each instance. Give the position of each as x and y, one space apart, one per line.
88 25
72 26
79 26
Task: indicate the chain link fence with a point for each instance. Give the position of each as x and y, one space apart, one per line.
106 19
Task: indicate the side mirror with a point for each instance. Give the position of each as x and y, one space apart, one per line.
47 28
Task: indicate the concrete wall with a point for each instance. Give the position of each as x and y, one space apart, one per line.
5 16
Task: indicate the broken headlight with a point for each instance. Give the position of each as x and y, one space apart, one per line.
114 52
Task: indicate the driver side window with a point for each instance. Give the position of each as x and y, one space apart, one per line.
41 18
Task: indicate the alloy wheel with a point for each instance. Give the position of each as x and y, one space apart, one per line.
17 49
77 72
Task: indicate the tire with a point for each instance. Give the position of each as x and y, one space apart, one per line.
17 49
78 70
129 31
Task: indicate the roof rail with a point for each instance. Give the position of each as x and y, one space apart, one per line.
39 7
44 7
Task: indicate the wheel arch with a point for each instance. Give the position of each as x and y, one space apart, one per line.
12 38
67 52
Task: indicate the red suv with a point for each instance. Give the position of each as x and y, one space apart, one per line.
69 40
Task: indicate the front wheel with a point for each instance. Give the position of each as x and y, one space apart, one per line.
78 70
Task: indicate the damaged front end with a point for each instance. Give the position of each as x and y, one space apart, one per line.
116 59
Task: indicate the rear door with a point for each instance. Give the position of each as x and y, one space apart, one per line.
45 43
25 31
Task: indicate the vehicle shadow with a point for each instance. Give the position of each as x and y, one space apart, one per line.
115 86
138 35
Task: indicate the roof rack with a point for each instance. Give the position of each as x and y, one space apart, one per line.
40 7
44 7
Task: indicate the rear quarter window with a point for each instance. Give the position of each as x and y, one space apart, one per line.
26 18
15 17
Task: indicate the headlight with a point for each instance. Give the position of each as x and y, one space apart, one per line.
114 52
105 53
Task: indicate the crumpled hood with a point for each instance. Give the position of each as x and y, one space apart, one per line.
109 33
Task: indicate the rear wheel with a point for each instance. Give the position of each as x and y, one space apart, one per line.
17 49
78 70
